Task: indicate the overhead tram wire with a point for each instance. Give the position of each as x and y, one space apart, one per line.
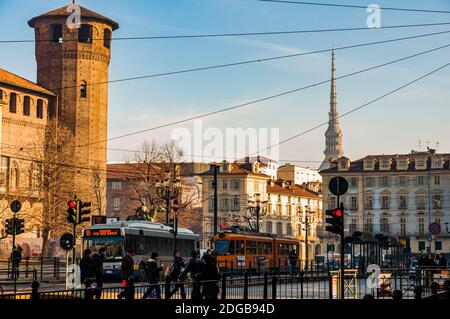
256 60
238 106
240 34
322 4
357 108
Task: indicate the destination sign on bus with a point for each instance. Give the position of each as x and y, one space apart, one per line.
101 232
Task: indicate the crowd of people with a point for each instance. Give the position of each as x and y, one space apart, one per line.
426 261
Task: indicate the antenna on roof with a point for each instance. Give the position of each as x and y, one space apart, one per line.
437 145
420 144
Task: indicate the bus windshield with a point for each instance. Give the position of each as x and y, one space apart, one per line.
113 245
221 247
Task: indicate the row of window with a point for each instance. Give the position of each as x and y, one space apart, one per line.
233 184
226 204
385 226
386 181
403 163
26 105
85 34
385 202
10 175
279 229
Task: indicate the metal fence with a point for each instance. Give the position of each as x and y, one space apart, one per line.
394 283
42 269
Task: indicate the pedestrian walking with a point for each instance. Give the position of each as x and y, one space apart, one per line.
293 263
210 275
98 271
194 269
16 258
442 261
126 269
153 277
128 292
86 265
173 275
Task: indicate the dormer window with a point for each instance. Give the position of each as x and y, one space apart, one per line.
421 163
402 164
369 164
436 163
343 164
385 164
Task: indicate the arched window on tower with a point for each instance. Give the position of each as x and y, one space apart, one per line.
40 109
56 33
83 89
13 103
85 33
26 105
1 96
107 39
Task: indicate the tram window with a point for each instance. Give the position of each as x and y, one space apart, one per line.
251 247
260 248
231 247
239 246
268 248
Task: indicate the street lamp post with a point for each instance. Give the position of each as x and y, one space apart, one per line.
256 208
168 189
307 221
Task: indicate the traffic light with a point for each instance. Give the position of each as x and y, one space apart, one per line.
83 209
335 220
10 226
72 212
20 226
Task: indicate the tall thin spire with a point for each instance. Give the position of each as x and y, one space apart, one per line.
333 135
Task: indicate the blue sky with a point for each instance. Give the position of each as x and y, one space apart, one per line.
393 125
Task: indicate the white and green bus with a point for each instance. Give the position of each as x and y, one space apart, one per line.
143 238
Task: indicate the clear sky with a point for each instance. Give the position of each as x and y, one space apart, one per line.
393 125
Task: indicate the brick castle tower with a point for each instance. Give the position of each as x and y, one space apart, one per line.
73 63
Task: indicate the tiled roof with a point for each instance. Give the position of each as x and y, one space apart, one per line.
13 79
294 190
130 170
86 14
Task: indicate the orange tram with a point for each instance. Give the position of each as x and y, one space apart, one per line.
254 252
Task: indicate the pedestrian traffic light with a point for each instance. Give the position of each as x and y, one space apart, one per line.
335 220
10 226
20 226
72 212
83 209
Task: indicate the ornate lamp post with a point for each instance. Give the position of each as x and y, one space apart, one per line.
168 189
308 219
256 209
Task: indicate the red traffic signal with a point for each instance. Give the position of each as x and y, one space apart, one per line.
338 213
71 204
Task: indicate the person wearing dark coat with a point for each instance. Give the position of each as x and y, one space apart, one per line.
86 265
210 275
293 263
98 270
173 274
126 270
442 261
194 269
153 277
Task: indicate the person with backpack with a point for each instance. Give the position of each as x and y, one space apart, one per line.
173 274
210 275
153 277
194 268
98 271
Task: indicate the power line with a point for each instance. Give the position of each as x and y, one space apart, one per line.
357 108
352 6
237 34
255 60
262 99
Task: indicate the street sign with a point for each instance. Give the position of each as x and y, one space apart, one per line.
175 206
338 186
66 241
430 238
16 206
434 228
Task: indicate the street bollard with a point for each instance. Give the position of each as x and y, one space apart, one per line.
266 283
224 287
274 287
245 286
